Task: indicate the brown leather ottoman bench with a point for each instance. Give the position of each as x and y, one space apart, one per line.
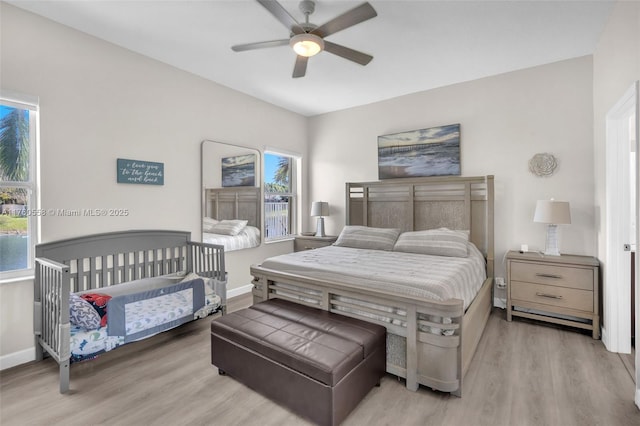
318 364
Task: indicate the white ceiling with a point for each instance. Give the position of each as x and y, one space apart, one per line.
417 45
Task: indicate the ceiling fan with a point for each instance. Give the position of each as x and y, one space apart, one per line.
308 39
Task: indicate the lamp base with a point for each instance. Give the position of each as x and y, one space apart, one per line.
551 243
320 228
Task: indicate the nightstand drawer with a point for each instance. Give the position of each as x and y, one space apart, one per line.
581 300
561 276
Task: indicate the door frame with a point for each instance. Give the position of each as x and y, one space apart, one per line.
617 312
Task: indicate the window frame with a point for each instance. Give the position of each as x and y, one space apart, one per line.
293 194
30 103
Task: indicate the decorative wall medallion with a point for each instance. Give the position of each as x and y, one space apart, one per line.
543 164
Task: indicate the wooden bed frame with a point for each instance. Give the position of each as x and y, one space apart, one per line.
242 202
102 260
435 360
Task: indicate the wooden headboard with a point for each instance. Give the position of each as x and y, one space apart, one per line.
415 204
241 202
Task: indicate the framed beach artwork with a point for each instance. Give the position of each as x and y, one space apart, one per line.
427 152
239 170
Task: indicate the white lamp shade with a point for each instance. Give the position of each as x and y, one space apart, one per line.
319 208
307 44
551 211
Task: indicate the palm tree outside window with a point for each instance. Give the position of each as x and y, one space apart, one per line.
18 224
279 195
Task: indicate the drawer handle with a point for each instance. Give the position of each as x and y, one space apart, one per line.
557 277
550 296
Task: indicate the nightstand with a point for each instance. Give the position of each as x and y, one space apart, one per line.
557 289
303 242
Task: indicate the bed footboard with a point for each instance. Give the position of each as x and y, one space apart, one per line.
429 343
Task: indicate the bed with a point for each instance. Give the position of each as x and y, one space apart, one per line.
98 292
431 338
231 217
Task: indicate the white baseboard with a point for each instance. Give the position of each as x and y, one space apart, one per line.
239 291
638 397
500 303
17 358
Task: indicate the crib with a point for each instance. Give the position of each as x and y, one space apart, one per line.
117 261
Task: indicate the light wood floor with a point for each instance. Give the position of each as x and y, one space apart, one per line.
629 361
522 374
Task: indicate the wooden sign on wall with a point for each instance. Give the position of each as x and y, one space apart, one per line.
140 172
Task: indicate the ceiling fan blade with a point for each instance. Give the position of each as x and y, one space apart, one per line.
347 53
259 45
348 19
282 15
300 68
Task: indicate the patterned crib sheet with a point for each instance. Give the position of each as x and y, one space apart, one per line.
140 316
149 313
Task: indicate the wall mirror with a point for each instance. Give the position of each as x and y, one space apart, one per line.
231 207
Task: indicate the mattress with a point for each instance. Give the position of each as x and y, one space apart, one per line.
414 275
247 238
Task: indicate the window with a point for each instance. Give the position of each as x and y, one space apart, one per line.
280 197
18 179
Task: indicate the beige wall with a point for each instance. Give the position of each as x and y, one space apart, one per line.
16 320
505 120
616 65
100 102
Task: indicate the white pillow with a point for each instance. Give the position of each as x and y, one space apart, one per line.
365 237
229 227
438 242
208 223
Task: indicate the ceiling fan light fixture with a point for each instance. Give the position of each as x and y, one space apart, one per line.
306 44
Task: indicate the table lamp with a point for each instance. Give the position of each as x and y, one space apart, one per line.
320 209
553 213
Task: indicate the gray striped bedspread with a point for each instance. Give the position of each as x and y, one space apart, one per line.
408 274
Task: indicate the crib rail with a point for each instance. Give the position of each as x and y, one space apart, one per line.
51 314
207 260
94 272
88 271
